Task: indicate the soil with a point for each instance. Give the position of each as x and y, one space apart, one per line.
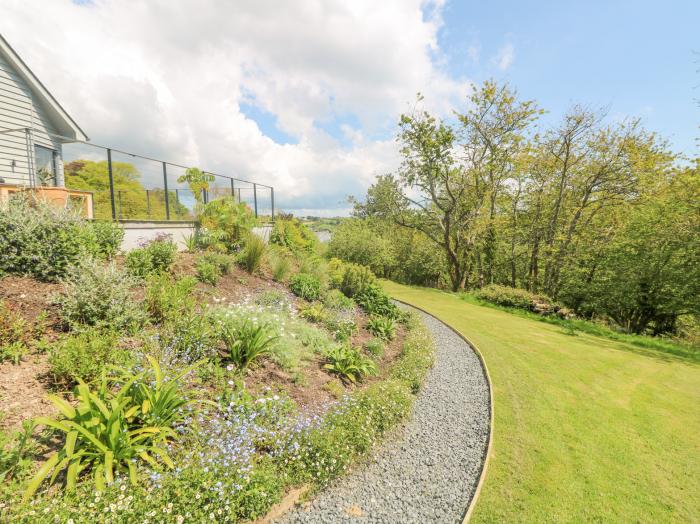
23 392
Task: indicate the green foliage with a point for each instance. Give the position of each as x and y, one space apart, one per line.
274 299
348 363
86 356
13 352
416 359
208 271
167 298
13 328
356 279
336 272
382 327
105 237
280 264
245 341
186 338
155 256
223 262
375 347
253 253
376 302
41 240
198 181
315 312
520 299
305 286
226 223
98 294
16 452
357 242
132 200
106 434
293 234
334 300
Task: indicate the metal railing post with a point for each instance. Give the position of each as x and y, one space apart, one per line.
165 185
255 198
272 202
148 203
233 190
111 184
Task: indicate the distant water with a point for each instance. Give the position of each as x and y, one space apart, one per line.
323 236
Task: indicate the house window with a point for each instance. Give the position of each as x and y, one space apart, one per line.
45 162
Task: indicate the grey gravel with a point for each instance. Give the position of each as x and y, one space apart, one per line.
428 470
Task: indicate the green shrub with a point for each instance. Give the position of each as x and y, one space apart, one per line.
226 223
39 239
520 299
207 271
245 341
98 294
292 234
222 261
342 328
376 302
106 433
85 356
357 241
314 265
336 272
251 257
155 256
305 286
106 238
348 363
356 279
416 359
382 327
168 298
375 347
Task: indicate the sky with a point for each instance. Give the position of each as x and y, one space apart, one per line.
305 96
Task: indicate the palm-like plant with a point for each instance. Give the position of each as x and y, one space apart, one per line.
245 342
382 327
349 363
110 431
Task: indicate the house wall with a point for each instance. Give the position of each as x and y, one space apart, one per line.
18 109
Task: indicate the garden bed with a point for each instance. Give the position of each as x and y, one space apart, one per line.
199 385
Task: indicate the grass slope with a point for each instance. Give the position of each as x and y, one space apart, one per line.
587 429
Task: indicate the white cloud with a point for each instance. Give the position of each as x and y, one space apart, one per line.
168 79
505 57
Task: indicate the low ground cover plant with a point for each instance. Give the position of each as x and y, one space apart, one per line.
13 334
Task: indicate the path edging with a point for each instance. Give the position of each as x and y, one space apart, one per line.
489 447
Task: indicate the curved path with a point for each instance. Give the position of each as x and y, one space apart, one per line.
429 471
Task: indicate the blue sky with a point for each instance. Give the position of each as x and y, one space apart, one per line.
635 57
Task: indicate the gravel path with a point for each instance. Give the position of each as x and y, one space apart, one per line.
429 470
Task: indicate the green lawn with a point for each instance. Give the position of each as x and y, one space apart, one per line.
587 429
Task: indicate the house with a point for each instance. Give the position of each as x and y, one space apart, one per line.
33 126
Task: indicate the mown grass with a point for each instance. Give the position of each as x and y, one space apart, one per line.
587 429
573 326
